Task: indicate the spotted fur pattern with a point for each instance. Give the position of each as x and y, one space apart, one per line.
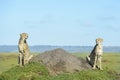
24 52
95 57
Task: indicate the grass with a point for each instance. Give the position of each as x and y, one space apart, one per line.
7 61
112 61
36 71
24 73
109 60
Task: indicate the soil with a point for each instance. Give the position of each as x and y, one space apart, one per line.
60 61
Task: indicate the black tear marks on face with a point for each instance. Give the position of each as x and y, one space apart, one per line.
99 40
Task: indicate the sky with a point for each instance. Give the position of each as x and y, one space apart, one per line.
60 22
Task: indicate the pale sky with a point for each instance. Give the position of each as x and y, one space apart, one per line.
60 22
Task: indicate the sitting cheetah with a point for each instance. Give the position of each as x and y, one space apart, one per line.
24 52
95 57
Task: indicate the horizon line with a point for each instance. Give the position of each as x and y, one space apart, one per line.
64 45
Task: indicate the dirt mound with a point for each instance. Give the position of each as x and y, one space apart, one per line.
59 61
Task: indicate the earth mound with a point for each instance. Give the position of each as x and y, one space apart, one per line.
60 61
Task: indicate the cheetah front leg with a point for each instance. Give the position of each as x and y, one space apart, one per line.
95 63
100 62
20 63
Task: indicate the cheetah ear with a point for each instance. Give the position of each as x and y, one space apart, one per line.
97 40
20 35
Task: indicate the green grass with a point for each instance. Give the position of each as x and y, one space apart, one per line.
25 73
36 71
109 60
7 61
112 61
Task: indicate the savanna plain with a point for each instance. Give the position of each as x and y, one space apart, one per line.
9 69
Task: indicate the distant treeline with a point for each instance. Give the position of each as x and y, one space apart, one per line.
42 48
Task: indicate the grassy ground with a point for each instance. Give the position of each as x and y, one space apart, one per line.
7 61
35 71
109 60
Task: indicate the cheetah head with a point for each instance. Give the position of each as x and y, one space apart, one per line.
24 36
99 41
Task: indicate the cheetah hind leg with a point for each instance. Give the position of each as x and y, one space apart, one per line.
30 57
88 60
